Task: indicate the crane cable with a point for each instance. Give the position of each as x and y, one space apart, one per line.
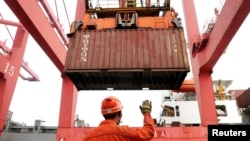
65 9
66 12
57 12
7 28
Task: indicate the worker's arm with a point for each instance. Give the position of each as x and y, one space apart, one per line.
148 129
149 125
145 133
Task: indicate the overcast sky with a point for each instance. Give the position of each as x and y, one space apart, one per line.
41 100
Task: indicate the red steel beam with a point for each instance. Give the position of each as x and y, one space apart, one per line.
36 23
55 22
34 77
229 21
68 104
202 79
69 92
34 20
10 23
9 72
8 53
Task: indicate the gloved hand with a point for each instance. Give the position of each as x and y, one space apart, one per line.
146 107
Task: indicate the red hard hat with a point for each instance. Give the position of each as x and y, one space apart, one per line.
110 105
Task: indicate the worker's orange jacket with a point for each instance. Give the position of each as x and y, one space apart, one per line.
108 130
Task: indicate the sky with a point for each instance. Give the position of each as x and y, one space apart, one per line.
41 100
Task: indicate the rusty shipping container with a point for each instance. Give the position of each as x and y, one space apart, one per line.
129 59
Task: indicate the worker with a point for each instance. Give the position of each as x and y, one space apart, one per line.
110 130
221 91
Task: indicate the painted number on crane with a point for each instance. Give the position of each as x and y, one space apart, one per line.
9 69
84 49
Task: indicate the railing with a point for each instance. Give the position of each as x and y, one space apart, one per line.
209 24
124 3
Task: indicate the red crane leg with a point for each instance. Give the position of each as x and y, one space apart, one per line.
69 97
67 109
205 97
34 20
202 78
69 93
68 103
10 68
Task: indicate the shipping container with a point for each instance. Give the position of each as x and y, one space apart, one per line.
243 100
127 59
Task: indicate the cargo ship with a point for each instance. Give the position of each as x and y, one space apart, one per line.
179 108
132 46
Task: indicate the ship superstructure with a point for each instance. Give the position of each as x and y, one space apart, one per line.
181 107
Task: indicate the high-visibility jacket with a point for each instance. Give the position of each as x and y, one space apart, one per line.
108 130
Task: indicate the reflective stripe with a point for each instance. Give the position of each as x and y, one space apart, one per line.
111 110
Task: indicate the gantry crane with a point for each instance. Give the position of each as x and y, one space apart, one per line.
205 53
11 62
